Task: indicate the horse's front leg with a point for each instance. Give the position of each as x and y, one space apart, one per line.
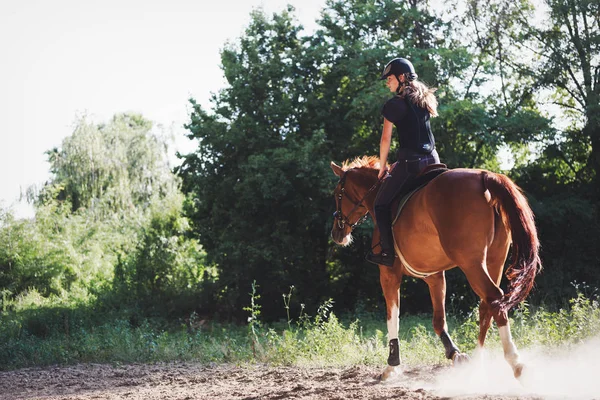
437 291
390 279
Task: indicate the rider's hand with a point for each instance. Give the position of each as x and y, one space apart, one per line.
383 171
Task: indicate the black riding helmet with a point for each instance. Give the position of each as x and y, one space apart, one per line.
399 66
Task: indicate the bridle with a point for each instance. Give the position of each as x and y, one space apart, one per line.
339 216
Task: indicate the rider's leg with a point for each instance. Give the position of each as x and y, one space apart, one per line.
390 187
409 164
384 224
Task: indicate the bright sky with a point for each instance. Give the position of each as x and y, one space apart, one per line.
64 58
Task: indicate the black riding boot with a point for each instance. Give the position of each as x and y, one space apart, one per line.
384 223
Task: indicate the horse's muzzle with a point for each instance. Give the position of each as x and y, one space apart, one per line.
340 236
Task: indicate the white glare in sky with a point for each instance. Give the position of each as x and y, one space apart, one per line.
66 58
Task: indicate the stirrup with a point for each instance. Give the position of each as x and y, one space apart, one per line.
383 258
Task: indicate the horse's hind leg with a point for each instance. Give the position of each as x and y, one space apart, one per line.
437 291
495 264
489 292
496 256
390 283
485 321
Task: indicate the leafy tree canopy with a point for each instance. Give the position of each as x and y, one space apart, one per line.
259 181
110 167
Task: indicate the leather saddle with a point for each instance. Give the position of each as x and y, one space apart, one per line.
426 175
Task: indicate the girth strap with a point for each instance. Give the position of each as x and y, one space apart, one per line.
410 269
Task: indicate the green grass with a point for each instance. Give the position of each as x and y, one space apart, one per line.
37 337
121 342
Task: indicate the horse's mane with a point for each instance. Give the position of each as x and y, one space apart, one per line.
361 162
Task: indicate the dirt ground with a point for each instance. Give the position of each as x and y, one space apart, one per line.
193 381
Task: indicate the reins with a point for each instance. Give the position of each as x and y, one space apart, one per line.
342 220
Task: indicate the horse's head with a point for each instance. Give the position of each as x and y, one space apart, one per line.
351 208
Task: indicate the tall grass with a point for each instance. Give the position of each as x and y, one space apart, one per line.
80 333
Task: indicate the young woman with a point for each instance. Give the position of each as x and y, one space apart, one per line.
409 110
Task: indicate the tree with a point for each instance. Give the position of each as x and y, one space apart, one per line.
112 201
260 174
111 167
32 260
259 185
562 63
494 104
165 272
568 48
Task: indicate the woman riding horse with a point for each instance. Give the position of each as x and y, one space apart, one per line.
463 218
409 110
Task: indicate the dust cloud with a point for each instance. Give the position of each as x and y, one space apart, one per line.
572 374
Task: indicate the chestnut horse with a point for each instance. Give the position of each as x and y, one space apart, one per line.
463 217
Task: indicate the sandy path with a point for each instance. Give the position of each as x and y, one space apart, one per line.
192 381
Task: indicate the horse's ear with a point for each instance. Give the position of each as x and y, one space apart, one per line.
336 169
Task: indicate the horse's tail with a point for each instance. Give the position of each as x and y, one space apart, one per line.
507 197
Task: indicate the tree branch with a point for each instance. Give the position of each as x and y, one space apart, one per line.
500 59
587 32
567 106
483 45
479 62
526 93
574 34
581 102
581 51
569 164
583 98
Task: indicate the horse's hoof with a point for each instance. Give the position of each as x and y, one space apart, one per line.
460 359
390 373
525 376
518 370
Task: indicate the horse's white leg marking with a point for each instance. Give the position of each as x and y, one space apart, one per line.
510 350
390 371
392 323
